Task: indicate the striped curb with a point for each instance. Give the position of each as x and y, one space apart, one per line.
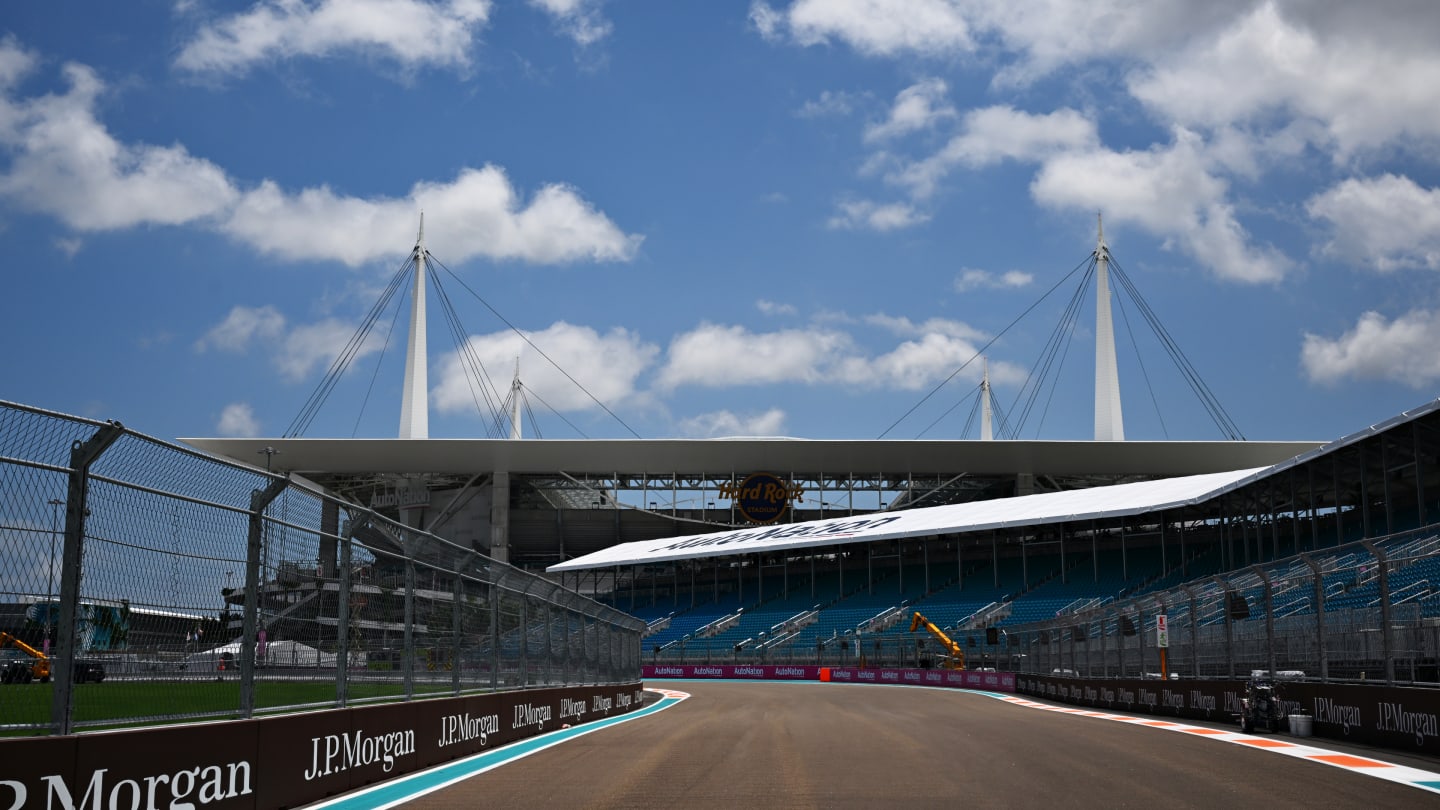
1402 774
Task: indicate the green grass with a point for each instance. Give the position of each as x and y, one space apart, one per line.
119 703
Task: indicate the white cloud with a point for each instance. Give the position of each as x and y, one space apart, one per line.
69 246
607 365
772 308
829 103
296 351
66 164
717 356
766 20
238 420
1401 351
724 423
1362 84
903 326
15 61
864 214
972 279
1385 222
240 327
581 20
993 134
413 33
919 106
318 344
478 214
872 27
1170 192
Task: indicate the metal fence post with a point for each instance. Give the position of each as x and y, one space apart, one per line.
1387 645
549 647
342 616
260 500
408 657
1319 587
1269 618
82 456
457 621
524 641
494 637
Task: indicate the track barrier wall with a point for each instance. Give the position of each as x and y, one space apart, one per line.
285 761
1389 716
197 588
957 679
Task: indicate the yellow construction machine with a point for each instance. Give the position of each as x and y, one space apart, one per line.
19 670
956 657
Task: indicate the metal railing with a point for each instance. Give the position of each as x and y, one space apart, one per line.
197 587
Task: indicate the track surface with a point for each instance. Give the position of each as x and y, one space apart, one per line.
767 745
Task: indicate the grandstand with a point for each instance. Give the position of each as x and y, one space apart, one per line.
1258 569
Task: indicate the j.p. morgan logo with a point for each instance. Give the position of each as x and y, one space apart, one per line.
762 497
458 728
528 715
341 752
184 789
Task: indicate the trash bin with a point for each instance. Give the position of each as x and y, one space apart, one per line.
1301 725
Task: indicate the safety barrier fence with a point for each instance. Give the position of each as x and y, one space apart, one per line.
142 582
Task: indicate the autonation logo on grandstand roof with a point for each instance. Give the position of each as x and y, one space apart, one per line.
800 530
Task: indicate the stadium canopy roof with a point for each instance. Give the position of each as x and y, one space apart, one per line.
1027 510
539 456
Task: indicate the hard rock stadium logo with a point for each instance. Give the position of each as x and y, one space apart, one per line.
761 497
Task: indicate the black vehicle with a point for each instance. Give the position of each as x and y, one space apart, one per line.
1261 706
88 672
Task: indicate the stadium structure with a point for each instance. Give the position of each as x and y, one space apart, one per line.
692 534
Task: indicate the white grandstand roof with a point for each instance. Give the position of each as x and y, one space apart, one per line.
1026 510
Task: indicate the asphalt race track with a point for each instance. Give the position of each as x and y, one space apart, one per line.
804 745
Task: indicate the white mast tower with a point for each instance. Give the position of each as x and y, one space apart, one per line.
515 394
414 405
987 432
1109 422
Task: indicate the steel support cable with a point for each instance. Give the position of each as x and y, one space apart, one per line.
1002 421
343 359
1064 353
557 413
1197 384
374 375
974 409
1125 316
1187 370
539 351
1172 348
475 371
308 411
982 349
1030 391
951 410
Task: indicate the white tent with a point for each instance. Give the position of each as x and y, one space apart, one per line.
277 654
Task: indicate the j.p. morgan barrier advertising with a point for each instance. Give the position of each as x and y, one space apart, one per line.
1393 717
283 761
995 681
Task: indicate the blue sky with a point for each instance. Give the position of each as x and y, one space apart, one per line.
776 218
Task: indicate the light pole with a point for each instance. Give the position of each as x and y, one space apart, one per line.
55 503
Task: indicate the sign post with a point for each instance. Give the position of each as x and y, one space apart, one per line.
1162 640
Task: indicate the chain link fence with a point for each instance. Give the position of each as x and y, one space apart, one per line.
1366 611
143 582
